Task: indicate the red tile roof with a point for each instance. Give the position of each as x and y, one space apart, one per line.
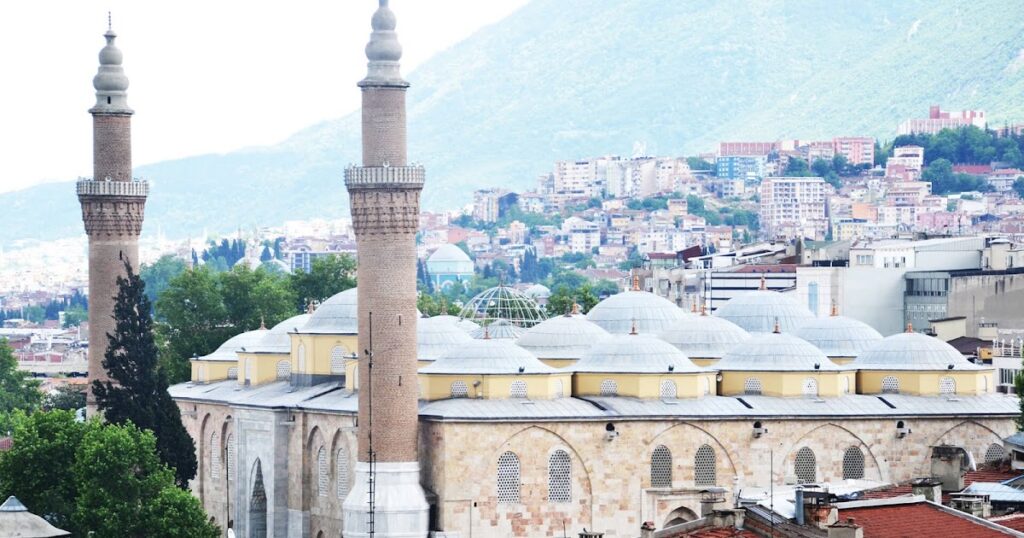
1012 521
715 532
6 443
990 475
914 520
887 492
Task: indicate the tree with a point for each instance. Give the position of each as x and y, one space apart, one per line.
158 275
138 393
797 167
563 297
18 390
66 397
193 321
328 275
74 316
252 298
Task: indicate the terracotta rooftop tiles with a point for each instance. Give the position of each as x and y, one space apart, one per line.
915 520
1012 521
715 532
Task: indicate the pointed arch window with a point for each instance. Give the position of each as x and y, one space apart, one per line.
853 464
341 472
322 477
559 477
661 467
508 478
704 466
805 467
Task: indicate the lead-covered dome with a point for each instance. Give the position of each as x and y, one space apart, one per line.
501 329
229 349
436 336
562 337
276 340
636 354
462 323
337 315
912 351
643 311
759 310
775 352
839 336
488 356
704 337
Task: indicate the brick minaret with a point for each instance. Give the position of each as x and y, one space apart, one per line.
112 202
385 197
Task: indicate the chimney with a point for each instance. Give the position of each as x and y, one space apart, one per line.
845 529
930 488
949 465
593 534
646 530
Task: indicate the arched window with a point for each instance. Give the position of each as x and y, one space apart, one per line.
812 297
995 453
668 388
230 467
215 455
284 369
248 371
704 466
508 478
233 372
805 467
705 386
890 385
459 389
661 467
984 383
559 477
302 358
853 464
322 476
810 387
517 389
846 384
341 472
609 388
752 386
947 386
559 389
337 360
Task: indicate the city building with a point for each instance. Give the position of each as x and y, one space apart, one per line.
794 207
858 150
745 167
939 119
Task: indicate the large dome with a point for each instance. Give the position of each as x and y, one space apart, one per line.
634 353
839 336
504 302
449 253
775 352
500 329
562 337
462 323
912 351
436 336
488 356
759 310
276 340
704 337
650 313
227 351
337 315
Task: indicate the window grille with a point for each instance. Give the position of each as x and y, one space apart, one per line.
661 467
995 453
752 386
321 472
609 388
341 472
805 467
233 372
337 360
668 388
947 386
215 455
853 463
231 457
811 387
459 389
559 477
508 478
890 385
284 369
704 466
517 390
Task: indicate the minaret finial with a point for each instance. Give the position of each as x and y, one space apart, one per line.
632 329
487 332
575 308
835 308
703 309
263 324
383 51
693 306
764 283
636 282
110 23
777 329
910 327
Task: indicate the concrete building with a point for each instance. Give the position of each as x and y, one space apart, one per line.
585 178
939 119
858 150
489 205
794 205
113 202
745 167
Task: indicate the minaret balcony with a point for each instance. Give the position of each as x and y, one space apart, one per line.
367 177
90 187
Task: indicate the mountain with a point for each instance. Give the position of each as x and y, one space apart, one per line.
562 79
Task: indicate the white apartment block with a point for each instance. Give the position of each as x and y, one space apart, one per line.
794 205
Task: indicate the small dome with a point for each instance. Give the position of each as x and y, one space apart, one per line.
275 266
500 330
227 351
704 337
538 291
650 313
461 323
562 337
635 353
337 315
912 351
757 311
436 336
775 352
839 336
276 340
490 356
449 253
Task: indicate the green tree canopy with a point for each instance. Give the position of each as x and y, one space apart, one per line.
18 390
158 275
252 298
193 320
67 397
563 297
328 275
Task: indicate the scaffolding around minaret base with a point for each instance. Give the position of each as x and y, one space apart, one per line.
400 506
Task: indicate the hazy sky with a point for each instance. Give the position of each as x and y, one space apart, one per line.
206 76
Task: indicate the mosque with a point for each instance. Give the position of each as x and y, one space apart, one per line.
503 423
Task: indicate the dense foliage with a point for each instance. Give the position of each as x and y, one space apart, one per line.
18 391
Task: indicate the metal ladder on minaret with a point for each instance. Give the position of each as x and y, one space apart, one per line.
372 456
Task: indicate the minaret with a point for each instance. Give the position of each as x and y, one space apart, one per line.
112 202
385 198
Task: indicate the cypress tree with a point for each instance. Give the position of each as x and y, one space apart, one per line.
137 392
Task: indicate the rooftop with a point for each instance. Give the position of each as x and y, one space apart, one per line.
913 518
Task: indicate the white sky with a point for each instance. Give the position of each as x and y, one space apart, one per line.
206 76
